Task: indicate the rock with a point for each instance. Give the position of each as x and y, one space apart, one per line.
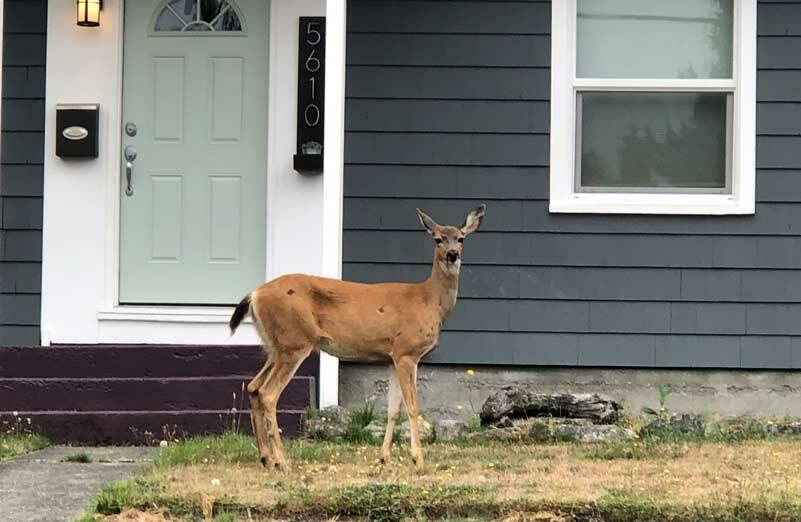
684 424
378 428
450 429
549 429
329 423
598 433
513 434
518 402
555 429
784 428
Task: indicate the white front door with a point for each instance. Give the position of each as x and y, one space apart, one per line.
193 220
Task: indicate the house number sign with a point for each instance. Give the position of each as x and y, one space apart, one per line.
311 89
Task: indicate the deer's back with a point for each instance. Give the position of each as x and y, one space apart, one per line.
376 320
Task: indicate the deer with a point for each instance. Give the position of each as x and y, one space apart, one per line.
394 323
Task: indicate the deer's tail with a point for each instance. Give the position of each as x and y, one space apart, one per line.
241 310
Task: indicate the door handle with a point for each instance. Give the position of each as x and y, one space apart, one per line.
130 156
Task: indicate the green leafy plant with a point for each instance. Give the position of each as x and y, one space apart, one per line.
359 419
81 458
664 393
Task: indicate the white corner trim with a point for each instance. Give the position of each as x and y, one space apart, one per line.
563 198
333 166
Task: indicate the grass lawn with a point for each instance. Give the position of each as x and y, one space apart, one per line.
640 480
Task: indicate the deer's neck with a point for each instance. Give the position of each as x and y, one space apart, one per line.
443 283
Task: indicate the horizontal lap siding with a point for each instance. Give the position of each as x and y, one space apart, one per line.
21 170
447 106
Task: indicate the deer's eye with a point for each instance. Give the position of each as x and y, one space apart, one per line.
438 240
461 240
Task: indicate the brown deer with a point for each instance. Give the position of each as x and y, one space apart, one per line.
396 323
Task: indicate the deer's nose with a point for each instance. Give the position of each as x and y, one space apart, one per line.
453 255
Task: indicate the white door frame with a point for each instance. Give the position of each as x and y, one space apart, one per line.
80 258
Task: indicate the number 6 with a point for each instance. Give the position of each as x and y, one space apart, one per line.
311 61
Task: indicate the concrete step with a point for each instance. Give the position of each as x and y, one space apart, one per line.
151 360
139 427
143 394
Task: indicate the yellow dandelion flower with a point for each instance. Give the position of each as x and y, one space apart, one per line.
458 406
419 417
470 372
425 492
490 465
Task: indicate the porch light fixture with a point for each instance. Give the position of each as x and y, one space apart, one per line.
89 12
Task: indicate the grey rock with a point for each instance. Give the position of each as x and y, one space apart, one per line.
329 423
377 429
783 428
554 429
549 429
684 424
450 429
597 433
519 402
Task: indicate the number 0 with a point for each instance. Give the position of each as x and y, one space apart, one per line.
316 113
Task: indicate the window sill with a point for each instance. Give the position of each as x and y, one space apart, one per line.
167 314
677 204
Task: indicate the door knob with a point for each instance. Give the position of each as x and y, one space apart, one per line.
130 156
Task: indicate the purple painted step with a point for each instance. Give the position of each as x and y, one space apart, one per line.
122 394
150 360
132 427
113 394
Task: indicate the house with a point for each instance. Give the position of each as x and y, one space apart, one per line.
641 163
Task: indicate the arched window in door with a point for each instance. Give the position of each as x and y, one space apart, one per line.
193 16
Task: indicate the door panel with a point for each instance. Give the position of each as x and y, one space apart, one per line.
193 231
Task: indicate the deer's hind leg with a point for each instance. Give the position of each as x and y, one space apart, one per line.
257 412
284 368
394 401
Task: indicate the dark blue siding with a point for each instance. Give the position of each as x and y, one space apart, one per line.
447 106
21 170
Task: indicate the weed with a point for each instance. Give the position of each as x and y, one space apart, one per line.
81 458
17 438
664 392
474 424
114 498
359 419
226 516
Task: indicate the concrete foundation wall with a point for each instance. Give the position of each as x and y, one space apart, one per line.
443 388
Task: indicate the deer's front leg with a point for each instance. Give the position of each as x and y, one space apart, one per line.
394 399
407 378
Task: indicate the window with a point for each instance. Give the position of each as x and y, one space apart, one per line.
653 106
192 16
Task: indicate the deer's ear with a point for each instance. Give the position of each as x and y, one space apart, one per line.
473 220
427 222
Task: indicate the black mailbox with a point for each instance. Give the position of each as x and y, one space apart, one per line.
77 130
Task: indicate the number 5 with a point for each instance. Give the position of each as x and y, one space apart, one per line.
310 31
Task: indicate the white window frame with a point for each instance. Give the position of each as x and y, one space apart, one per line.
564 84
